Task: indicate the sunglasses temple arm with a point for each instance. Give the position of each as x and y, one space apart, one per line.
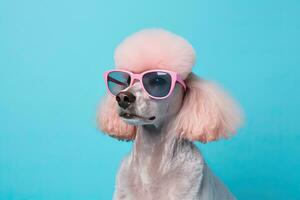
179 80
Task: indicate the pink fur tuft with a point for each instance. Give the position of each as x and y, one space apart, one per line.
207 113
155 49
110 123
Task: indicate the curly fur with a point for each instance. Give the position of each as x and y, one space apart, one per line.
155 49
207 113
110 122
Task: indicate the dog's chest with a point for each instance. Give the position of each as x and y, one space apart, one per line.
149 183
150 186
176 175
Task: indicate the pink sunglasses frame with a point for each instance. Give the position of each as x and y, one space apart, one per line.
175 77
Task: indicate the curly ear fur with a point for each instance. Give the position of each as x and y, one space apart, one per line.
207 113
109 121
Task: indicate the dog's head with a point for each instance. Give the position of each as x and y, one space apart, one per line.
202 112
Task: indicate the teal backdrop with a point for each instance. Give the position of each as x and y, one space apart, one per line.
53 54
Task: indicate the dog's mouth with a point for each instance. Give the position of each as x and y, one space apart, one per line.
127 115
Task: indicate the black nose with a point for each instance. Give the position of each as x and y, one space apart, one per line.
124 99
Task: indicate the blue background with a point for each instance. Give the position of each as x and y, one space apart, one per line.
53 54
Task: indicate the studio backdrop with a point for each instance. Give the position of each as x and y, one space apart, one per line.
53 55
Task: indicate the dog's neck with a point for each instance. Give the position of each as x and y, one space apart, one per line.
149 138
154 145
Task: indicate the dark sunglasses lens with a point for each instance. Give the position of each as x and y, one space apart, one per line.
157 84
118 81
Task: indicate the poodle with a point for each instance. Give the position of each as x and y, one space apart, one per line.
155 100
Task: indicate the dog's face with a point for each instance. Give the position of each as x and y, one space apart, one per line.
205 113
137 108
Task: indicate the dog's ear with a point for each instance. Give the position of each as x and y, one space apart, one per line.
109 121
207 113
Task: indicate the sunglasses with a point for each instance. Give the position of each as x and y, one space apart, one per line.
158 84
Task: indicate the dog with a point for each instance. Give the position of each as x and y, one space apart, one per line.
157 101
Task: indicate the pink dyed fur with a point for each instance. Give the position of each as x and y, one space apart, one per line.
155 49
207 113
110 122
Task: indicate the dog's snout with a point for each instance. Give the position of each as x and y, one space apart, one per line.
125 99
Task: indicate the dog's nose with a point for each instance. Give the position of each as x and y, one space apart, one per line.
125 99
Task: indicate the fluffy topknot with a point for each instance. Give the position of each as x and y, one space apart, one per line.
155 49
